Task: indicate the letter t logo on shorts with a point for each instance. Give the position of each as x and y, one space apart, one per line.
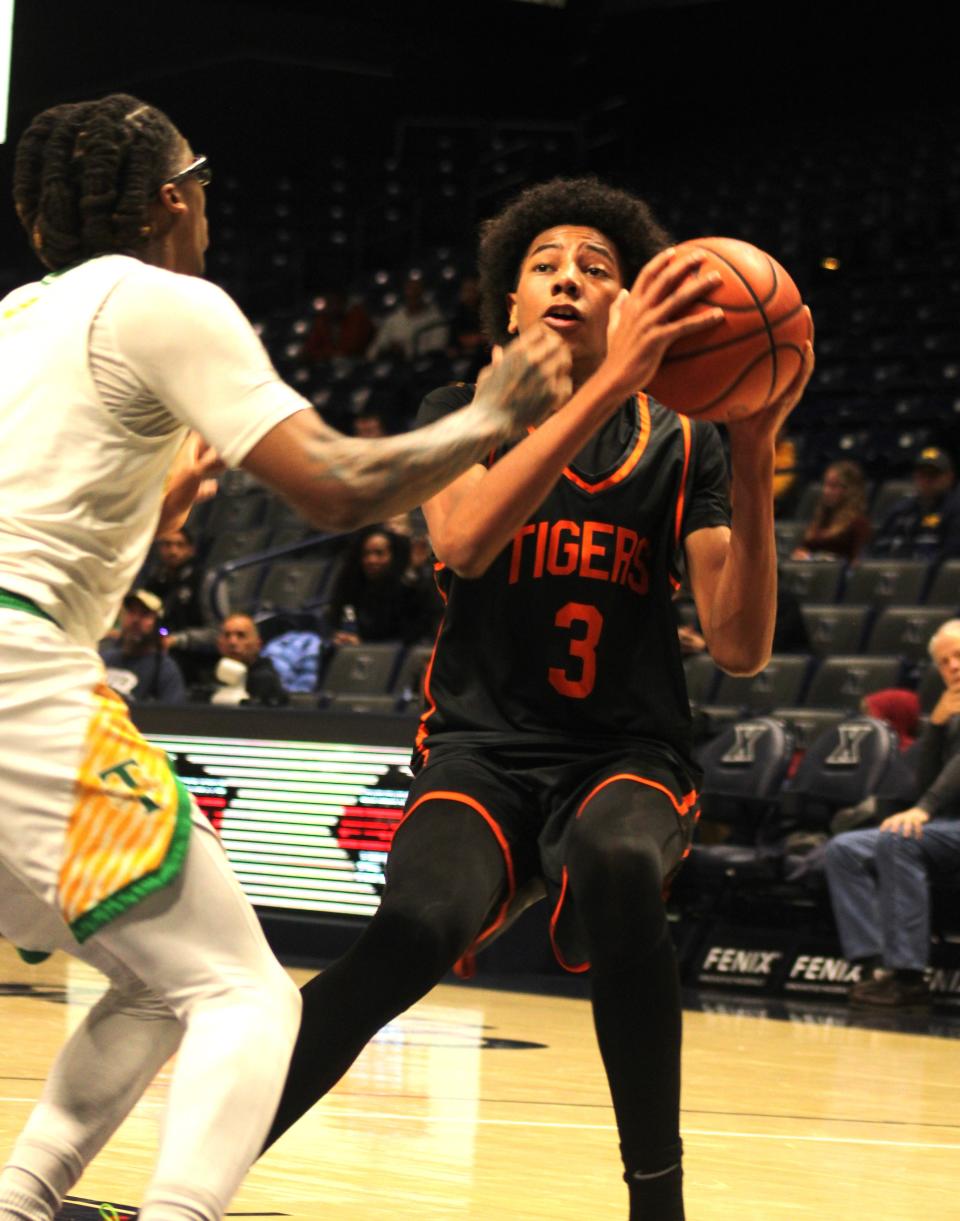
124 771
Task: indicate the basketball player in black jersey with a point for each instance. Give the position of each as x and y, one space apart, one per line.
554 752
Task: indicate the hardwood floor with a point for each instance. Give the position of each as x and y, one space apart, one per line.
489 1105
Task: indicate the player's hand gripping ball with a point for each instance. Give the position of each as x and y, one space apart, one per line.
740 366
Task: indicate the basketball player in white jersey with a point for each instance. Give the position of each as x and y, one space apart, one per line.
107 362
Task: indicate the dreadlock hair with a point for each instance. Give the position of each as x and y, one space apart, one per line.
85 174
504 239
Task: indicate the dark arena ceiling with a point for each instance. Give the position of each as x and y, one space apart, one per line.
292 74
286 83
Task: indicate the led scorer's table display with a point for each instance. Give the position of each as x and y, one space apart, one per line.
306 825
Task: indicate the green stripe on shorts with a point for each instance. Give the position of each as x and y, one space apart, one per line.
20 603
115 905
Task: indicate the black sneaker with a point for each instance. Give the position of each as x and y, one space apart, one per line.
890 991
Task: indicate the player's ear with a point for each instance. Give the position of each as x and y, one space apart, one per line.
512 326
170 198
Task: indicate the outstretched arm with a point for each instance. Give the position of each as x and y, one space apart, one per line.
190 345
733 570
473 519
341 482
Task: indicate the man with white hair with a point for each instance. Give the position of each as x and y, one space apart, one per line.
880 878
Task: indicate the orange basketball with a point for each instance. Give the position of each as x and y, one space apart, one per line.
749 358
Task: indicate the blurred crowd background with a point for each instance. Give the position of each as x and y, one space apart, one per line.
356 151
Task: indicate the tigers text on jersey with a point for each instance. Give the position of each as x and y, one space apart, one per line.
571 633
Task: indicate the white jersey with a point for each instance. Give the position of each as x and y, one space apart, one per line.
105 367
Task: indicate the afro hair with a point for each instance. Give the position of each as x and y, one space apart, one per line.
504 239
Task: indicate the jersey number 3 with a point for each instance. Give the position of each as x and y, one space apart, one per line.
582 648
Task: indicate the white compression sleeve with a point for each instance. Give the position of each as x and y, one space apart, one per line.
190 960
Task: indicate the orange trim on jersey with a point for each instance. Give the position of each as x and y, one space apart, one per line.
687 439
567 966
631 460
431 703
682 808
451 795
627 465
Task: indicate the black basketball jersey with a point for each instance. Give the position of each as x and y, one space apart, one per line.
570 635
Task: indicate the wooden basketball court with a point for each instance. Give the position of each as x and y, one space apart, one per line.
492 1106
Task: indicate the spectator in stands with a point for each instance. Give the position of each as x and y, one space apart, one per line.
421 574
840 527
239 644
926 524
691 641
899 707
413 536
466 330
415 326
137 665
879 878
177 581
420 562
374 598
368 424
339 329
785 472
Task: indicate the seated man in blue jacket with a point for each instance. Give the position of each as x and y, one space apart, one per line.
880 878
925 524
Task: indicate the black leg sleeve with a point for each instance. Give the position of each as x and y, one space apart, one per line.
445 874
619 851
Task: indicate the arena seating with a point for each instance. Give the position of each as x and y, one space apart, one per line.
887 379
841 766
744 769
761 827
782 682
377 678
879 582
361 669
835 629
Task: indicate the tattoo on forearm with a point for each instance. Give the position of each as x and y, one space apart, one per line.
393 473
